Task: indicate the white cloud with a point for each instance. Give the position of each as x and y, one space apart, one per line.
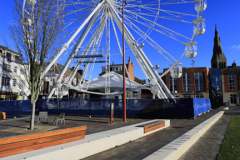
236 47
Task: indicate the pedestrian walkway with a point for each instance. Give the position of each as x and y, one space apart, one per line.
208 146
147 145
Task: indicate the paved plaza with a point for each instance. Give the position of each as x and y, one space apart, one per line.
207 147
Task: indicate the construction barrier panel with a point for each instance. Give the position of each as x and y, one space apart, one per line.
152 108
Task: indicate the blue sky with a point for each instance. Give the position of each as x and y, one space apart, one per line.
226 15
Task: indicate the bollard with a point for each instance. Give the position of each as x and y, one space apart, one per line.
112 113
2 115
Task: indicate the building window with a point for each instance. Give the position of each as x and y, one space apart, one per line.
4 66
15 68
199 81
3 54
8 56
231 80
187 96
8 67
21 83
116 68
199 96
14 82
233 98
5 81
103 69
173 84
16 59
135 95
21 71
186 82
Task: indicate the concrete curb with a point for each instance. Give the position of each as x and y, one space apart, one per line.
179 146
92 144
226 108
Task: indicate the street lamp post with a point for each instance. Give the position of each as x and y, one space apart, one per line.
124 83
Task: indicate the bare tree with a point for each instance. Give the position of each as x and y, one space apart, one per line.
36 34
4 40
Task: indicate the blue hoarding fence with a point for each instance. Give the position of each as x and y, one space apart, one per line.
147 108
201 105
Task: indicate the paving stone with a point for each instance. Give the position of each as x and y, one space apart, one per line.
147 145
208 146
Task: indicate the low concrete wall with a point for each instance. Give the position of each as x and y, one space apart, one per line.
178 147
92 144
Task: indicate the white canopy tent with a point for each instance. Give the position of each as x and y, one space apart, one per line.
116 81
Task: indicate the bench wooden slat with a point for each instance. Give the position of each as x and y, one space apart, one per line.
153 128
38 146
150 126
151 123
40 140
40 135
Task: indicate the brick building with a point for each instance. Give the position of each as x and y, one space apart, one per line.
231 85
183 87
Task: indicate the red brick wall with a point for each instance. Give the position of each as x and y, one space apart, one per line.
145 96
205 72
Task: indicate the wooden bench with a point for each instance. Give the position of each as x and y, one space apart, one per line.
19 144
42 115
148 127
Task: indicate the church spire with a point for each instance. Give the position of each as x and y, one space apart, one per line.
218 59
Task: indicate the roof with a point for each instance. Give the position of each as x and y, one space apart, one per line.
68 73
116 80
231 69
139 80
218 54
10 50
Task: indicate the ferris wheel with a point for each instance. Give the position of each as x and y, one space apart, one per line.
88 24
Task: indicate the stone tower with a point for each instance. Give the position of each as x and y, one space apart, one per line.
218 59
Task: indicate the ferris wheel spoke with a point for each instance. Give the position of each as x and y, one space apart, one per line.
151 41
99 19
165 31
99 30
98 42
120 49
178 18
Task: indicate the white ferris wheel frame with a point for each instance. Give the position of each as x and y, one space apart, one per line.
156 83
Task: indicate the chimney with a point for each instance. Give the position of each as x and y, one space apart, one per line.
113 62
234 64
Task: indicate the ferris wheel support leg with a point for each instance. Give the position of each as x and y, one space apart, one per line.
99 30
75 50
65 46
143 62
